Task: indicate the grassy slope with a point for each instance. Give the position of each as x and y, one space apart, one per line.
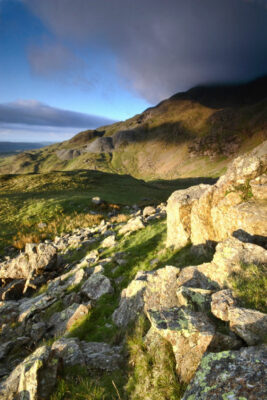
164 133
62 200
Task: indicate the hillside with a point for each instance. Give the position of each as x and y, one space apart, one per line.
192 134
129 307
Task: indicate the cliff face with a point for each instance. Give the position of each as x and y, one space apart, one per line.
236 205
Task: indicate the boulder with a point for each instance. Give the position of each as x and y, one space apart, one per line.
149 210
131 301
204 214
35 258
161 288
96 286
250 325
32 379
189 333
68 350
194 298
101 356
30 306
110 241
134 224
230 375
179 214
62 322
221 302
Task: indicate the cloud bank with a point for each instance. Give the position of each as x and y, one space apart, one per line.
30 120
163 46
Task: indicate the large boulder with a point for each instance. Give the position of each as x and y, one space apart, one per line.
179 214
234 205
231 375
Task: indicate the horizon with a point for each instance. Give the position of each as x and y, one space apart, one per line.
67 70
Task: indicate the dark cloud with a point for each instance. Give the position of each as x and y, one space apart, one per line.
34 113
166 46
49 59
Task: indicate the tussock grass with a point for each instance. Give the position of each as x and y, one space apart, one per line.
152 373
250 286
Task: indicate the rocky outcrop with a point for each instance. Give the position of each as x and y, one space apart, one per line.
35 258
230 375
100 145
179 214
234 205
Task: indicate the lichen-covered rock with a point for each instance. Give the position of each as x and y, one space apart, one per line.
134 224
161 288
32 379
61 322
179 214
96 286
231 375
132 301
189 333
194 298
66 281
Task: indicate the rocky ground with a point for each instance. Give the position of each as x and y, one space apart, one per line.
50 289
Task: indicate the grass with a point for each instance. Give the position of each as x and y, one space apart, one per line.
250 286
62 201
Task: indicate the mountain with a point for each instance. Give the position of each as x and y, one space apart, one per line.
191 134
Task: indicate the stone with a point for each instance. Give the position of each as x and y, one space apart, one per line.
230 375
69 351
32 379
35 258
38 330
110 241
147 211
204 214
189 333
62 322
29 306
8 311
96 286
101 356
250 325
134 224
131 301
221 302
161 288
96 200
179 215
66 281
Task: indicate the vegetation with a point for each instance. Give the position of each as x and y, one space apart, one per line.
250 286
36 207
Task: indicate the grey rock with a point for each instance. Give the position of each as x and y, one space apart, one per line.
101 356
61 322
96 286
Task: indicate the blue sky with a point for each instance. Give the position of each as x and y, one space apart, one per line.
68 65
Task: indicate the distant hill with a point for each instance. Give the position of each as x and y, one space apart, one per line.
14 147
191 134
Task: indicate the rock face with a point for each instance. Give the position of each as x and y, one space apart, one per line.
231 375
179 214
232 206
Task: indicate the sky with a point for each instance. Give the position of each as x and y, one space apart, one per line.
71 65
